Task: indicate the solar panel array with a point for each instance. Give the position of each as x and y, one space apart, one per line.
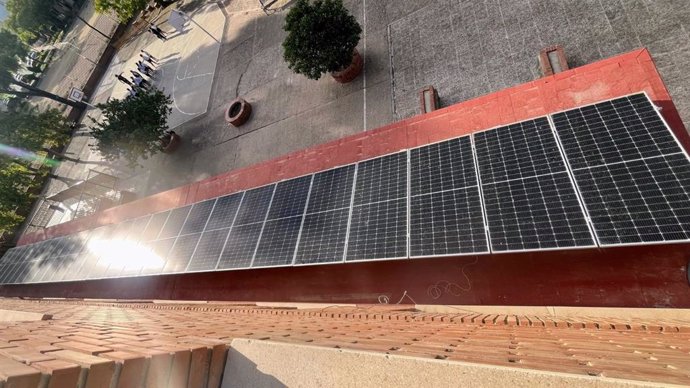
606 174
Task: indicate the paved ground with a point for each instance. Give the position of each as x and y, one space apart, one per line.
75 59
469 48
464 48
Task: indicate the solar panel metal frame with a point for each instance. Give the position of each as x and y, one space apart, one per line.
349 207
268 219
668 128
352 205
28 249
566 171
481 200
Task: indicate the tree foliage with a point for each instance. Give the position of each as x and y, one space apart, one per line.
125 9
27 17
132 128
321 37
14 186
9 220
11 50
10 53
33 131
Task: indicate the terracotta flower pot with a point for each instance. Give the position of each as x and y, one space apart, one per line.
351 72
238 112
172 144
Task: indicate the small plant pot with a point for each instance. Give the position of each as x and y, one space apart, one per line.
238 112
351 72
172 144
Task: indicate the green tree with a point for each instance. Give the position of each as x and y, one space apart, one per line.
28 17
125 9
10 54
14 186
34 131
321 37
133 127
9 221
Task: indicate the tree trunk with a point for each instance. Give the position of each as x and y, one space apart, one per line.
42 93
36 173
60 155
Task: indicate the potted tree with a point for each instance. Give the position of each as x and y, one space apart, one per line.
322 36
135 127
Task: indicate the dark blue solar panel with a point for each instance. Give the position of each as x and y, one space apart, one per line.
254 205
198 216
331 189
323 237
445 207
181 253
240 246
173 225
224 212
278 242
208 251
155 225
378 226
290 198
529 200
633 176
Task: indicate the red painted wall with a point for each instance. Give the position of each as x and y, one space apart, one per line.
641 276
645 276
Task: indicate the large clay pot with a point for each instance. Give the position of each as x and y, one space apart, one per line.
238 112
351 72
172 144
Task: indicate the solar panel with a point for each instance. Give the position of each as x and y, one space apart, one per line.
331 189
240 246
324 229
138 227
7 272
446 215
63 266
41 268
4 269
208 251
378 231
323 237
278 242
290 198
378 225
198 216
12 273
122 230
254 205
504 189
173 225
633 176
281 230
224 212
155 225
90 260
73 270
161 250
7 257
529 199
181 253
381 179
